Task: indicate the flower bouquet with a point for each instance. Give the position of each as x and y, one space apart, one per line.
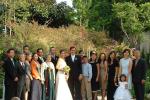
67 69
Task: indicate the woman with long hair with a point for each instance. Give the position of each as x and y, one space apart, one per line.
95 74
36 82
113 66
103 73
126 67
29 76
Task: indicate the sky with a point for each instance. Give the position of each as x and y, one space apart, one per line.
69 2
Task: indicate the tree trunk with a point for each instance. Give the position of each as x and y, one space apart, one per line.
124 31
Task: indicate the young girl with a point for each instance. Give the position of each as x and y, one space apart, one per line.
122 92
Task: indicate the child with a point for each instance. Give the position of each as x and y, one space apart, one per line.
122 92
86 81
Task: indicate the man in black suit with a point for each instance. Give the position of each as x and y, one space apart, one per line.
75 74
54 56
41 60
40 55
139 75
22 72
10 75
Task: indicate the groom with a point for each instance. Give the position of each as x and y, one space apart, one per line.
75 74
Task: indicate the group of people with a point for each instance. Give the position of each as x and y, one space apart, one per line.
33 76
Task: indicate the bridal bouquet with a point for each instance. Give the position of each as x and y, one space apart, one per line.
67 69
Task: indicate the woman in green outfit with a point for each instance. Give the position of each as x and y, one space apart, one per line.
48 78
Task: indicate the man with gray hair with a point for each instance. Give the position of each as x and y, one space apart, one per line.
139 75
22 72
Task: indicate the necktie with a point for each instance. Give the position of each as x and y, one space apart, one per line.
73 58
22 64
136 61
13 62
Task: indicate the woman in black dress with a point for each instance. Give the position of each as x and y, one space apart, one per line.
95 75
113 70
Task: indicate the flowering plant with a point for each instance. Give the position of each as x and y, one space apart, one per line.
67 69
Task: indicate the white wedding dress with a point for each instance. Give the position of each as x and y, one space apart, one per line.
62 88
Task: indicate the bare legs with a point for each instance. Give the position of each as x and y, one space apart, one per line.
103 94
94 95
26 95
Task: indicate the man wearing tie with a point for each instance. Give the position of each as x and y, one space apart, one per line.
139 75
41 60
40 55
75 74
54 56
10 75
22 72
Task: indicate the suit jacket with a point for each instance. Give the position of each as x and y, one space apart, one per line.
75 67
139 70
40 60
54 60
10 71
21 71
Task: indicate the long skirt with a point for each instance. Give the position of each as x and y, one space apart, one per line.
36 90
49 89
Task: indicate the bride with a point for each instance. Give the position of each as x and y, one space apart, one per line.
62 89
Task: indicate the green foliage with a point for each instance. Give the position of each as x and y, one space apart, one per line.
45 12
82 8
54 15
121 47
145 15
129 14
100 15
22 11
146 56
3 9
131 26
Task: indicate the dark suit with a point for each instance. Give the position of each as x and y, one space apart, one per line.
73 81
22 72
139 74
54 61
10 74
41 60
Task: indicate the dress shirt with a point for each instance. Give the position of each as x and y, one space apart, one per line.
73 57
41 59
87 70
13 61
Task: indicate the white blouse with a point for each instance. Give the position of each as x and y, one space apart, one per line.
44 66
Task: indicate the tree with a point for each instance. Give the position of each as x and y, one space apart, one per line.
82 8
128 15
22 11
100 15
145 15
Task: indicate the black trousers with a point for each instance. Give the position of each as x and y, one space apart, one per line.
10 91
111 88
139 90
75 88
